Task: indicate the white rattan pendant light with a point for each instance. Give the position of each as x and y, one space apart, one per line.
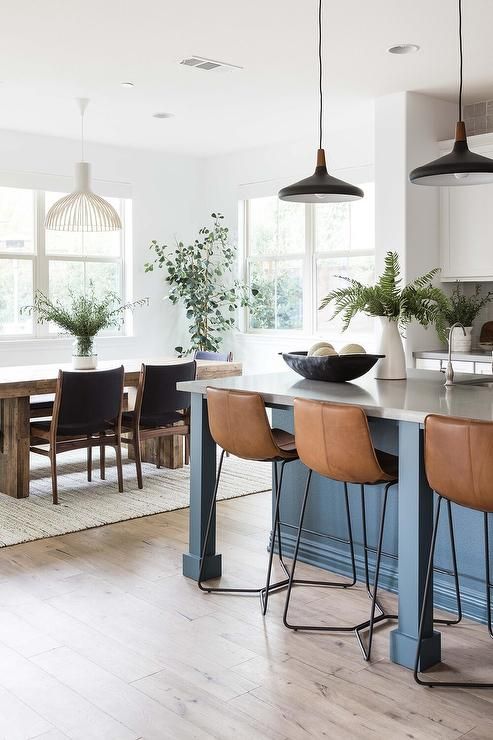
82 210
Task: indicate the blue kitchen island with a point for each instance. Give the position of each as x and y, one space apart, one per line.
396 410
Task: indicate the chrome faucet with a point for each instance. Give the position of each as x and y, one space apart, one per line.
449 375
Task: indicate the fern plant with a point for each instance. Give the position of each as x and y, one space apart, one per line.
418 301
85 317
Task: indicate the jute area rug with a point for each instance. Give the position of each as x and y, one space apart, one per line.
84 505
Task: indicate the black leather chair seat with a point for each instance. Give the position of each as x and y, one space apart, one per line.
153 421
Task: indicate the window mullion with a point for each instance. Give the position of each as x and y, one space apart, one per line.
41 262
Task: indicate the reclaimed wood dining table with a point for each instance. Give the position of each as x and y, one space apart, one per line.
19 383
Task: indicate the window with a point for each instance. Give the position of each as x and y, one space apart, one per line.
32 258
294 253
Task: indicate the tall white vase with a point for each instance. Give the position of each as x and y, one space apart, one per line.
393 365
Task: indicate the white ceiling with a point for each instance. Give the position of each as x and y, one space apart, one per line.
55 50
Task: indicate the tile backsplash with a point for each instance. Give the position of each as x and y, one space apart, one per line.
478 117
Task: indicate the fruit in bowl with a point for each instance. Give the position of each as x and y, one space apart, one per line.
319 345
352 349
324 351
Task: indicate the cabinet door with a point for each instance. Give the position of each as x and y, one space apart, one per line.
466 233
483 368
428 364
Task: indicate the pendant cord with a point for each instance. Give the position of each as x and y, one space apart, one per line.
82 136
320 71
461 60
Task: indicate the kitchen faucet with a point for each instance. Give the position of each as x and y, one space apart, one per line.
449 375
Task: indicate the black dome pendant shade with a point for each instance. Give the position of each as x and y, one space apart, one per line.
320 187
461 166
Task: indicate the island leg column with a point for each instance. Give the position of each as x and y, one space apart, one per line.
202 479
415 529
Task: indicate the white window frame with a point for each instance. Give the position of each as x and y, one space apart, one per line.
309 258
40 264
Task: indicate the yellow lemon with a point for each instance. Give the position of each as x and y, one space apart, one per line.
352 349
324 351
318 345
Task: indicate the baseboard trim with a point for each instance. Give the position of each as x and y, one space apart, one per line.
326 555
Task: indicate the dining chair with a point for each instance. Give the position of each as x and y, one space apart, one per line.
160 410
213 356
41 406
86 413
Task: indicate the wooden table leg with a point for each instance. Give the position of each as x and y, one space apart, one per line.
171 451
14 447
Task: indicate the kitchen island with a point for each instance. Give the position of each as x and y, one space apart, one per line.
396 410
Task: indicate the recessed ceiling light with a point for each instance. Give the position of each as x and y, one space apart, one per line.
127 84
162 115
403 49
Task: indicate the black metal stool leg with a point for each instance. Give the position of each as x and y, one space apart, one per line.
428 592
260 590
455 572
487 572
374 603
209 522
295 554
276 530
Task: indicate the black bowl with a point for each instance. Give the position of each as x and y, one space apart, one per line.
332 368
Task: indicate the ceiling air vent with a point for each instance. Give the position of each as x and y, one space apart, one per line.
210 65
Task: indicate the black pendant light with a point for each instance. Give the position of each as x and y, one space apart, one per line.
461 166
320 187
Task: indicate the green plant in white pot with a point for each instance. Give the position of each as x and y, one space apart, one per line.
395 307
83 319
463 309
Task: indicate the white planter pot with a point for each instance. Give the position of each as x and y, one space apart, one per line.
461 343
84 362
393 365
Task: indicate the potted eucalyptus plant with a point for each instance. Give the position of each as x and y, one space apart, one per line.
199 276
395 306
464 309
83 319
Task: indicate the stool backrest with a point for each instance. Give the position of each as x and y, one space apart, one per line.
214 356
89 399
157 393
459 460
334 440
239 424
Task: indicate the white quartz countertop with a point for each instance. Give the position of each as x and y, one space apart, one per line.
413 399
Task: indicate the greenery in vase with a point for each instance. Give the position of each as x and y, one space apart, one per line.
86 315
418 301
463 308
200 277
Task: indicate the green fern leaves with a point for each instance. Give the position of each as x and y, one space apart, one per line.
419 301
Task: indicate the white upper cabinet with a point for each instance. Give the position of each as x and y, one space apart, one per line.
466 223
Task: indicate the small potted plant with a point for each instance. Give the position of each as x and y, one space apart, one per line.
395 306
86 316
464 309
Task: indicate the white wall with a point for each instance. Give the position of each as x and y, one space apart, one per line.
258 172
408 127
166 203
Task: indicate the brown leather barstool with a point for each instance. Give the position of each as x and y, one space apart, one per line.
334 441
459 468
239 425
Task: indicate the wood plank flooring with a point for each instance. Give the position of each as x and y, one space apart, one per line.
101 637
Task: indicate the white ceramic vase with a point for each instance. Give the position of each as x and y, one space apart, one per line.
461 343
393 365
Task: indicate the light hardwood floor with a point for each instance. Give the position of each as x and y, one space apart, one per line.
102 637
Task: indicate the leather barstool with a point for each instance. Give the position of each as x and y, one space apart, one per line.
239 425
334 441
459 468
